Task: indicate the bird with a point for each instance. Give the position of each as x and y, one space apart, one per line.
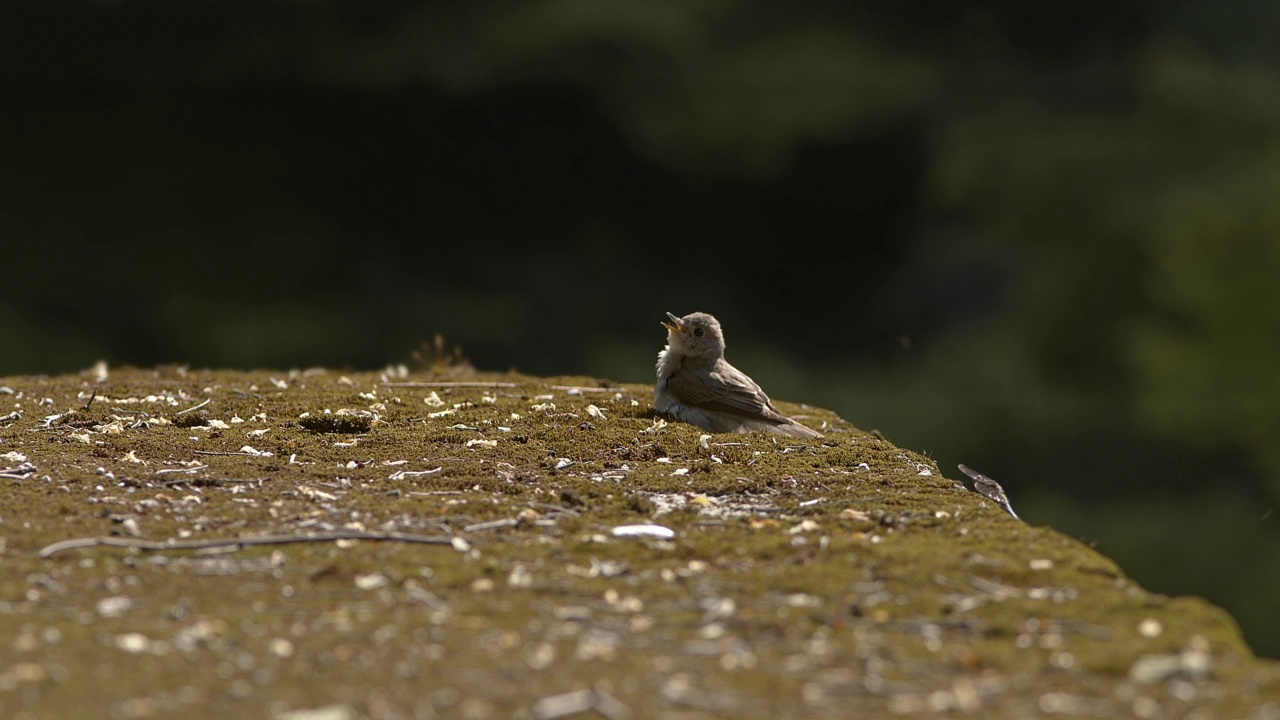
698 386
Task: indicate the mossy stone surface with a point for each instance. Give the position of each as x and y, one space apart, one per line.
829 578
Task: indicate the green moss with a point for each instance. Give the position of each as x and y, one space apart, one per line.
804 579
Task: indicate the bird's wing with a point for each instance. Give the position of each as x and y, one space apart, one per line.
723 388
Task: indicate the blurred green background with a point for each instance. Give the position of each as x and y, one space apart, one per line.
1039 239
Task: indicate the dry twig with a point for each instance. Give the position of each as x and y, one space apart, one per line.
448 384
193 408
171 544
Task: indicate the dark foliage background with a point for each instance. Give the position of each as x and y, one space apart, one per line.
1039 239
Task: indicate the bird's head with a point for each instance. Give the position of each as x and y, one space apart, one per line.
696 334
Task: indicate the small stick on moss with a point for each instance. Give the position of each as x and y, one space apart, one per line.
90 400
187 470
171 544
448 384
555 508
412 473
208 482
492 525
989 488
193 408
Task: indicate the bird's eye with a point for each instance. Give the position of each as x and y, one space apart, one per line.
698 332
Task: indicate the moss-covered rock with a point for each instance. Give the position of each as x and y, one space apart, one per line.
801 579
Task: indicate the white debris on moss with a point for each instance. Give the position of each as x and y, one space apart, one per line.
132 456
658 424
646 530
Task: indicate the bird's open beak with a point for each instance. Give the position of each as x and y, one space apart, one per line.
676 325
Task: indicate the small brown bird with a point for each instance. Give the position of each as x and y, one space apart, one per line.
698 386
